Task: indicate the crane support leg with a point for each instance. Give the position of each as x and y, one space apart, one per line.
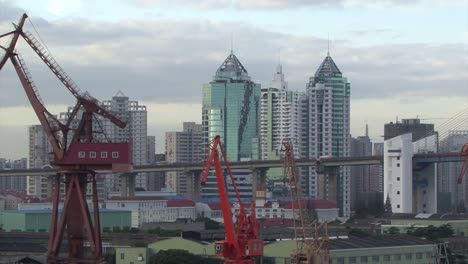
76 219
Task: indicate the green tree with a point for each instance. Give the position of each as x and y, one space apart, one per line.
393 230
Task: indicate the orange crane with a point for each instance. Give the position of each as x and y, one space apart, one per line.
310 247
241 245
464 168
77 159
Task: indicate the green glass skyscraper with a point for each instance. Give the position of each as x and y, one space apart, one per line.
230 103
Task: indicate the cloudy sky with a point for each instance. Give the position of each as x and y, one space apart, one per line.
404 58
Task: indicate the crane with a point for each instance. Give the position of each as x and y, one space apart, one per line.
78 153
241 245
310 247
464 168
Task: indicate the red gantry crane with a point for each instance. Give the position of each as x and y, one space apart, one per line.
77 154
464 168
241 245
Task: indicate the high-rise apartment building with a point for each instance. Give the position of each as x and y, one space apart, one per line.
328 100
39 157
230 109
183 146
135 132
279 119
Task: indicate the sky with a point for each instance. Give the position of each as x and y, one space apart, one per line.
403 58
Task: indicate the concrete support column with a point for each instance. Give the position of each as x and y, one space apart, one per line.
258 182
131 184
50 185
123 185
255 176
193 185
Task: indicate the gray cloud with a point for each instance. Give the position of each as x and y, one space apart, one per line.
267 4
165 60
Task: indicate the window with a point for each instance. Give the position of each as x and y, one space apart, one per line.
81 154
419 255
340 261
386 257
398 206
115 154
397 257
92 154
375 259
398 192
122 256
352 260
409 255
398 178
398 165
364 259
104 155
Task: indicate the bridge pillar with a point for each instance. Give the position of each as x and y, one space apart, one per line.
50 184
193 185
123 185
131 184
258 183
327 183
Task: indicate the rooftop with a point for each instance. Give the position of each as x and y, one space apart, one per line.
328 68
377 241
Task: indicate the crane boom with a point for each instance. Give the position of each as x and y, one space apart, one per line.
241 245
77 160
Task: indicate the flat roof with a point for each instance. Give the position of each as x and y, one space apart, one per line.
377 241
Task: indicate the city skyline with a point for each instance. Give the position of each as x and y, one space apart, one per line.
404 74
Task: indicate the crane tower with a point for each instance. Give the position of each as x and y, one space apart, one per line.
78 153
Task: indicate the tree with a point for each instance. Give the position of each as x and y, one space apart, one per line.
393 230
176 256
432 232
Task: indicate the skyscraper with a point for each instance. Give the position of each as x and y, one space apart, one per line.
230 110
230 104
328 95
183 146
13 182
279 119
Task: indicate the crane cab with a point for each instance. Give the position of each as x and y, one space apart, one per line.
254 248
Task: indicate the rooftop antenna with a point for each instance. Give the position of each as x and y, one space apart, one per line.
328 48
279 55
232 45
367 129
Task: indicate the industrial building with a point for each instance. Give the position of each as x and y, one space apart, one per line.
39 220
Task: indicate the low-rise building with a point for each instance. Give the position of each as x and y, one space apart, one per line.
39 220
404 222
132 255
154 208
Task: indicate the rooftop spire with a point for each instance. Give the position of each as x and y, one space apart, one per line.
328 49
232 45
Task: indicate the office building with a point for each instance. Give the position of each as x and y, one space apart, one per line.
230 109
413 126
360 175
185 146
448 173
